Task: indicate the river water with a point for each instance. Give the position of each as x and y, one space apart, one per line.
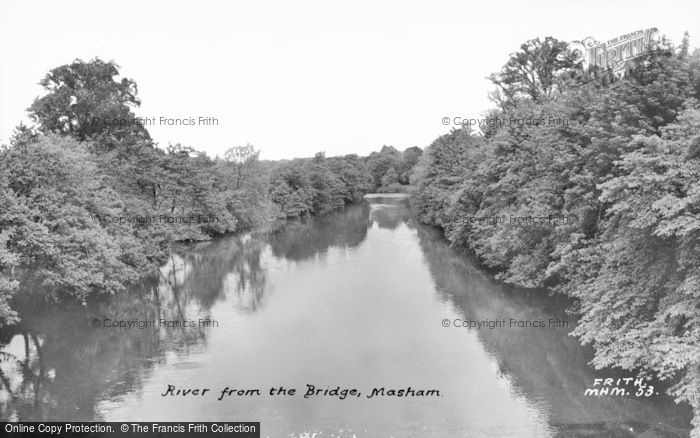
357 300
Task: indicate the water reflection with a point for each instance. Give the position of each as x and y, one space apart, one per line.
301 240
211 270
548 366
55 365
353 299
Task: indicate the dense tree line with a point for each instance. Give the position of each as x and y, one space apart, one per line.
88 205
615 163
390 168
319 185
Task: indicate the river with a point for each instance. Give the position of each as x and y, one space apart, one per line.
358 299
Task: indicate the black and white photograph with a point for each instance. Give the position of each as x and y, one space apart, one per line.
349 219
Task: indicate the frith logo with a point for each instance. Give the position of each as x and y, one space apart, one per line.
614 54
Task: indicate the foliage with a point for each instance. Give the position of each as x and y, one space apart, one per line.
49 230
391 169
617 164
86 101
319 185
534 71
88 206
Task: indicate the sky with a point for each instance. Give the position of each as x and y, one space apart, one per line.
297 77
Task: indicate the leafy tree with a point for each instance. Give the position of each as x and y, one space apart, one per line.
391 169
353 174
242 159
9 259
390 177
54 237
409 159
533 71
297 204
87 101
438 174
379 163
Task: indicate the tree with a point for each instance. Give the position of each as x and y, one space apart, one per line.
9 258
89 207
533 71
379 163
49 230
409 158
86 101
352 172
390 178
243 160
297 204
438 174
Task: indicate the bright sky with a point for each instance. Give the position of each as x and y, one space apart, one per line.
297 77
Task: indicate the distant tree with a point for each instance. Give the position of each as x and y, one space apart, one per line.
318 185
390 177
409 158
439 173
280 193
353 173
326 189
242 159
297 204
379 163
54 237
